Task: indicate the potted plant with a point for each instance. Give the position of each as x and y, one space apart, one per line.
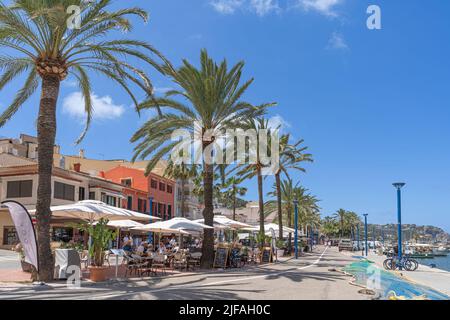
100 235
280 248
26 267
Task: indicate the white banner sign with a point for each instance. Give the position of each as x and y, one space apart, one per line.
25 231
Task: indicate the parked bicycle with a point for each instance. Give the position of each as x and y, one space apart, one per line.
406 263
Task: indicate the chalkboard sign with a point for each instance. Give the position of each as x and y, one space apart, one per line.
266 255
221 257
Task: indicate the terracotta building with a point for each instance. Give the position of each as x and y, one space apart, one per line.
160 189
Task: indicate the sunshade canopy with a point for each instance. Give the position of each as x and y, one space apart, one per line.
175 224
221 220
92 210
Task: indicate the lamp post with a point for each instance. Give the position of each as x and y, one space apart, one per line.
399 186
365 232
296 228
150 200
357 236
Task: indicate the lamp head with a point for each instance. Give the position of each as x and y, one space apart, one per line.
398 185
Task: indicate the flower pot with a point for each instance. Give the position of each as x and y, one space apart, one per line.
98 274
26 267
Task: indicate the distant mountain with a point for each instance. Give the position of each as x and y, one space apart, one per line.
423 234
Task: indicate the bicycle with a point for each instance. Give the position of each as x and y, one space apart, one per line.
405 263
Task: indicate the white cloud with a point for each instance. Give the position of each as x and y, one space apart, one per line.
325 7
263 7
103 107
260 7
227 6
278 121
337 41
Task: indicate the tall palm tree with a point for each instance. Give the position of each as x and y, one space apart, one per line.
39 42
290 158
210 101
233 190
341 216
184 173
251 170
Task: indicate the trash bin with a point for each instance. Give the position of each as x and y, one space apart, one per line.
64 258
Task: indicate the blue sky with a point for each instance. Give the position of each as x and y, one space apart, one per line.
372 105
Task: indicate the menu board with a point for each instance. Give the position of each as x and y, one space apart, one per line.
266 255
221 257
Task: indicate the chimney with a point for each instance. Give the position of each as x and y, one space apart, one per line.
77 167
81 154
57 149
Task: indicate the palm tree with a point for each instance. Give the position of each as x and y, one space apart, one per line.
290 157
209 103
251 170
341 217
48 50
233 189
184 173
329 226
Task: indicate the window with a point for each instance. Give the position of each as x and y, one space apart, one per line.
126 182
92 195
110 200
169 189
19 189
169 211
64 191
142 205
130 203
162 186
154 184
81 194
10 236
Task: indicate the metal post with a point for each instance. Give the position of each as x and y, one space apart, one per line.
365 233
296 228
398 186
150 234
357 235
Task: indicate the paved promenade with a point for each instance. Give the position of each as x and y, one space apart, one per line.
310 277
431 277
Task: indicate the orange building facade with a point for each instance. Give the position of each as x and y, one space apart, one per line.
138 189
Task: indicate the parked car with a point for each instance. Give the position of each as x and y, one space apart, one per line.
345 244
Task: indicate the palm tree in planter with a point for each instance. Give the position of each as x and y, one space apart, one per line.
209 102
101 236
255 169
48 49
182 172
291 155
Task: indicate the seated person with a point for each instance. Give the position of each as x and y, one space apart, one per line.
142 249
162 248
127 247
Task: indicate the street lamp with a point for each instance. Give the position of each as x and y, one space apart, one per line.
357 235
399 186
365 232
150 200
296 228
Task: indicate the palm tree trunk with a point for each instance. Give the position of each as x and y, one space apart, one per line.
46 130
182 198
208 215
261 207
280 216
